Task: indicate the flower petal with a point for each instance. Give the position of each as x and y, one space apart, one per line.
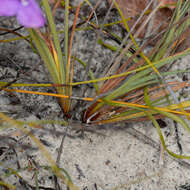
9 7
30 14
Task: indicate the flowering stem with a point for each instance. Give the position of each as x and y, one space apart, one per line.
66 103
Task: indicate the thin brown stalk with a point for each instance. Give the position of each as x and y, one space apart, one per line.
57 4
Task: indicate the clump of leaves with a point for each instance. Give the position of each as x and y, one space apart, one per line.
123 97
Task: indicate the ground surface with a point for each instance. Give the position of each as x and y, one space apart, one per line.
117 156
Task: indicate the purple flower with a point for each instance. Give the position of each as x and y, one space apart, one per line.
28 12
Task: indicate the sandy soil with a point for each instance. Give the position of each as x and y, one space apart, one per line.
118 156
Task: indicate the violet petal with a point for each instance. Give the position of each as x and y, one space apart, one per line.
9 7
30 15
